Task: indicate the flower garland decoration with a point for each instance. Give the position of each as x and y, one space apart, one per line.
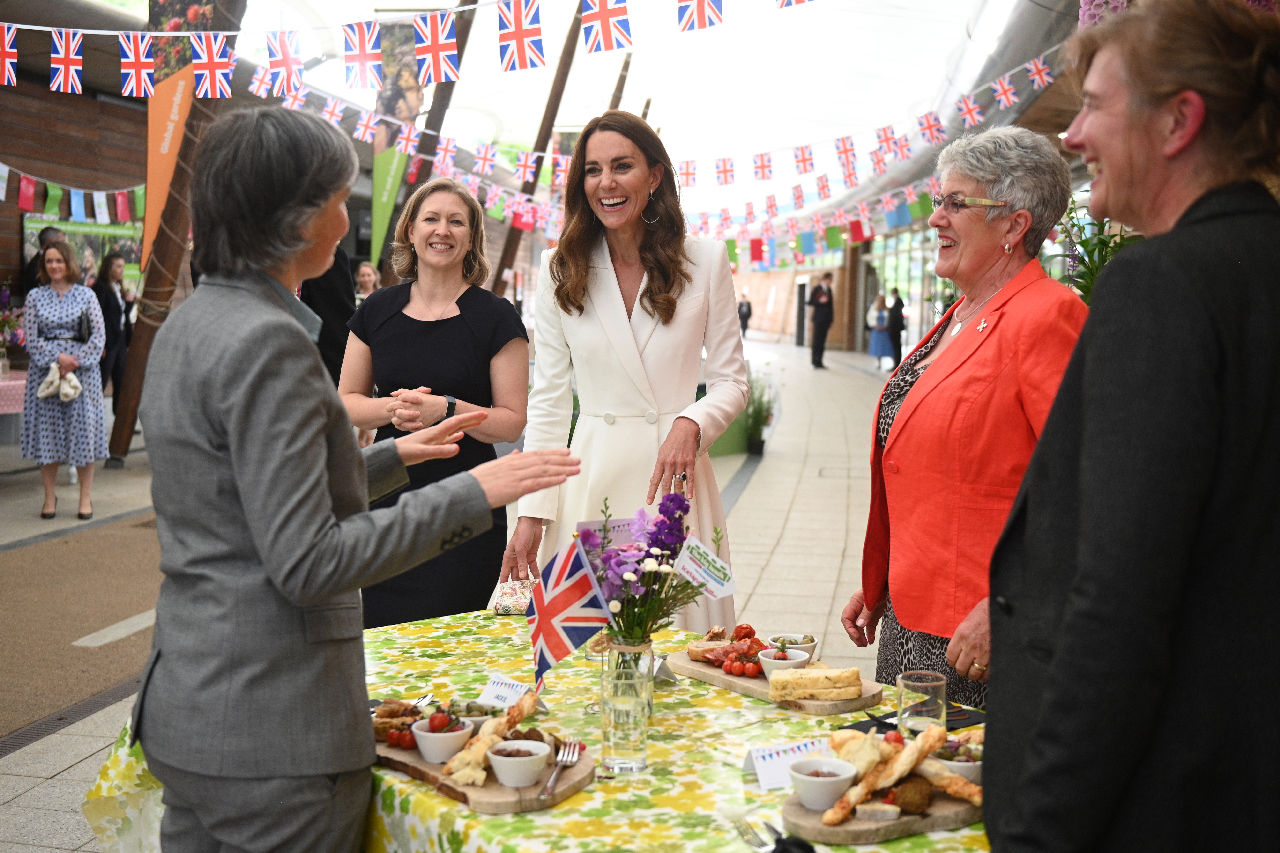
640 585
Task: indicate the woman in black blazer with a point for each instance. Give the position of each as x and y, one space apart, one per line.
1137 575
117 305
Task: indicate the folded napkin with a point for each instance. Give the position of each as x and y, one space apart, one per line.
49 385
69 388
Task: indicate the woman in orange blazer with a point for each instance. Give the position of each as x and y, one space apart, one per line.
958 420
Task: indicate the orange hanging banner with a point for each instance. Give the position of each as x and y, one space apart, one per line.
166 118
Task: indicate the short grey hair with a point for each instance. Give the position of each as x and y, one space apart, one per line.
1014 164
260 175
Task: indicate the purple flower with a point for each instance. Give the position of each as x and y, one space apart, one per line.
673 506
589 539
640 525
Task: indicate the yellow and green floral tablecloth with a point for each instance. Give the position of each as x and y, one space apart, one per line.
698 738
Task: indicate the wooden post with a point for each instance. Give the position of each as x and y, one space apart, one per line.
167 252
443 93
512 244
622 81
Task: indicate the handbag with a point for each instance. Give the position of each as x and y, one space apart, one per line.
512 597
85 330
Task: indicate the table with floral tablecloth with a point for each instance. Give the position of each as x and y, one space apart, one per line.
698 738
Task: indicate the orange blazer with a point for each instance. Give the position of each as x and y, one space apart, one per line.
943 484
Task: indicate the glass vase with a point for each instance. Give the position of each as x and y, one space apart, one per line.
626 701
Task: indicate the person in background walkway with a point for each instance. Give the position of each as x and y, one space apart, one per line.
744 312
330 296
366 281
261 505
54 430
625 307
1142 549
438 344
823 315
897 324
960 417
878 319
31 272
117 304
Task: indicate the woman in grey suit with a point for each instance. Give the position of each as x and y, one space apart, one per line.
261 498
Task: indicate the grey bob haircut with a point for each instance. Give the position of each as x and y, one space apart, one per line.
260 175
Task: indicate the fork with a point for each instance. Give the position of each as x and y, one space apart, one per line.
566 757
750 837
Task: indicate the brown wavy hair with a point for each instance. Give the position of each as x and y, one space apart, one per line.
404 260
1226 51
662 251
68 255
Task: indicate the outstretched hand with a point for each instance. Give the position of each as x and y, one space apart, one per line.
436 442
517 474
520 559
676 457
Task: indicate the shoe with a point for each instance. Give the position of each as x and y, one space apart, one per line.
85 516
53 514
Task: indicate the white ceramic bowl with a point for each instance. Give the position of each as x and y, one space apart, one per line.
819 793
518 771
477 721
793 642
971 770
439 747
795 660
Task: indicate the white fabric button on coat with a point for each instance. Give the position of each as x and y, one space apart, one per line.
608 418
651 416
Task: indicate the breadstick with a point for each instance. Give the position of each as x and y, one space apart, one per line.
949 783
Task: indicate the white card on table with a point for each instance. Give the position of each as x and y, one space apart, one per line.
619 529
504 692
699 564
772 763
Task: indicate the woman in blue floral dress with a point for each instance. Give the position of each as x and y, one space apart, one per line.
56 431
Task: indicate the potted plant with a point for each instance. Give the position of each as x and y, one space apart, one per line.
758 414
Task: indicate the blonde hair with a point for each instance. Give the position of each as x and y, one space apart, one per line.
404 259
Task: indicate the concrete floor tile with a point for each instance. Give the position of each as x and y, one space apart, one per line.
92 847
105 723
790 607
817 588
56 829
6 847
86 771
11 786
50 756
61 795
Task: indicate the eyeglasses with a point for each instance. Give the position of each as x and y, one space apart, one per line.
955 203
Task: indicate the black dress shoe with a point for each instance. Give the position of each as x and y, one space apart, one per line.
53 514
84 516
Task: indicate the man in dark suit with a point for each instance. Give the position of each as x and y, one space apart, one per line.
1139 564
896 325
823 315
332 297
31 272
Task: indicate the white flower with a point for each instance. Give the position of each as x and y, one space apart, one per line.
615 606
655 551
628 576
666 570
650 564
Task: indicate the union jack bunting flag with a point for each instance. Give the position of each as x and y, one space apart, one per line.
605 25
565 610
804 159
969 111
724 171
366 126
1038 73
493 198
333 111
792 228
520 34
850 178
840 217
910 193
797 195
688 173
486 158
260 85
879 162
763 166
699 14
559 169
1006 95
766 228
66 62
362 50
8 55
526 166
211 64
884 138
751 212
472 183
864 211
771 205
931 128
726 218
846 152
783 4
435 42
283 60
137 66
407 139
888 202
446 151
297 99
901 148
824 187
818 221
934 185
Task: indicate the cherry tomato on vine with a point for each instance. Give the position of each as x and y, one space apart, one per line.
739 667
894 736
751 670
728 667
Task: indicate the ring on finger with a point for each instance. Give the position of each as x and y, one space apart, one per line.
682 476
979 667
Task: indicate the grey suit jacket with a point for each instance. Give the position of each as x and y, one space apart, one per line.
257 664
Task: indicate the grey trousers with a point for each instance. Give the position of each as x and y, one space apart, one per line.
217 814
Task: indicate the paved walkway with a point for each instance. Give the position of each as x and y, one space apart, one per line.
795 525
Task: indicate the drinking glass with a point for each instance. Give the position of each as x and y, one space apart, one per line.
922 701
625 699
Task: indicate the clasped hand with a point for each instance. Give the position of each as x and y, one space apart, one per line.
67 363
411 410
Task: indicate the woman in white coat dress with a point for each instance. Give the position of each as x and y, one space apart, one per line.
624 310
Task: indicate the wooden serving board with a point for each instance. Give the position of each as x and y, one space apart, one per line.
758 688
491 798
945 812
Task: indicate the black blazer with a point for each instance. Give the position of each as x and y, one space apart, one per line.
111 312
332 297
1137 579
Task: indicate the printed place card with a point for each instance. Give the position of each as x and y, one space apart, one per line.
772 763
699 564
619 529
504 692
